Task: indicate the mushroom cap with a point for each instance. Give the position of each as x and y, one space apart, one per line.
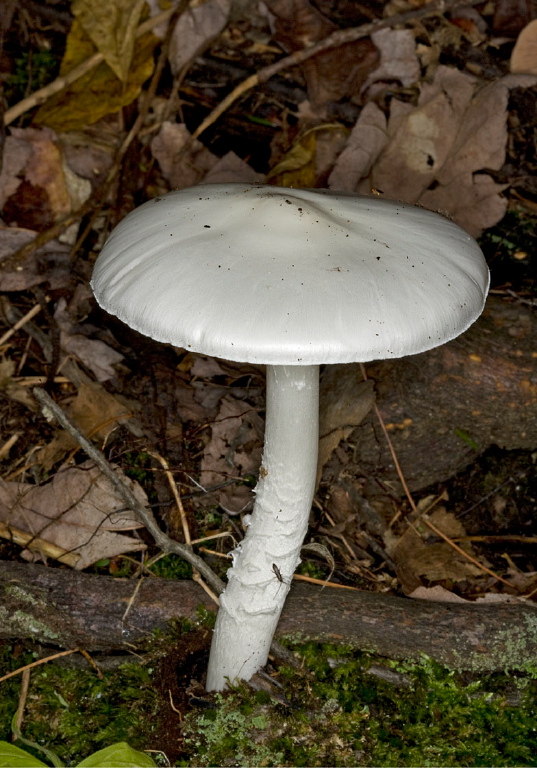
283 276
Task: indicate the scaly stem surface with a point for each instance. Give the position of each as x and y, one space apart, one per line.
264 562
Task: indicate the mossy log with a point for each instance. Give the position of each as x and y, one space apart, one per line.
101 613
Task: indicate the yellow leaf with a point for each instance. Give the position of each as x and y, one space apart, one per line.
97 93
297 167
111 25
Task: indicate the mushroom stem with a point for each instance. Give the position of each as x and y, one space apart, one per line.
264 562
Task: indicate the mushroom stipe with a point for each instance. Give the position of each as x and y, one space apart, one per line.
293 279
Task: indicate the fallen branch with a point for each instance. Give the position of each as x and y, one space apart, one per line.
72 609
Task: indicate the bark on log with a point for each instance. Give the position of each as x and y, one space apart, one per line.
480 388
70 609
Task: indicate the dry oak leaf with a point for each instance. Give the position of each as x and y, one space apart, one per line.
36 185
365 143
415 558
398 57
232 169
94 411
50 263
78 511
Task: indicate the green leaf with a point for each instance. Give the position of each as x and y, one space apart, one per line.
117 756
463 435
13 757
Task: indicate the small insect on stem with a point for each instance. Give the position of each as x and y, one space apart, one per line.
278 573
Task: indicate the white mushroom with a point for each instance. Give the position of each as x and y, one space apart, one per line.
293 279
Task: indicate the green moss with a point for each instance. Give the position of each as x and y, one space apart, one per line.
172 567
73 712
31 71
339 714
345 716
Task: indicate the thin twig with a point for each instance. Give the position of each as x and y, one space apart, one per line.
197 578
38 662
131 600
174 490
144 514
462 552
391 448
28 316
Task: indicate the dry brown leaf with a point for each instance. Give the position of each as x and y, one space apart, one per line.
89 153
398 58
36 187
234 450
94 411
232 169
422 139
94 354
415 559
77 511
437 594
188 170
332 75
474 202
524 55
195 30
344 403
50 263
365 143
